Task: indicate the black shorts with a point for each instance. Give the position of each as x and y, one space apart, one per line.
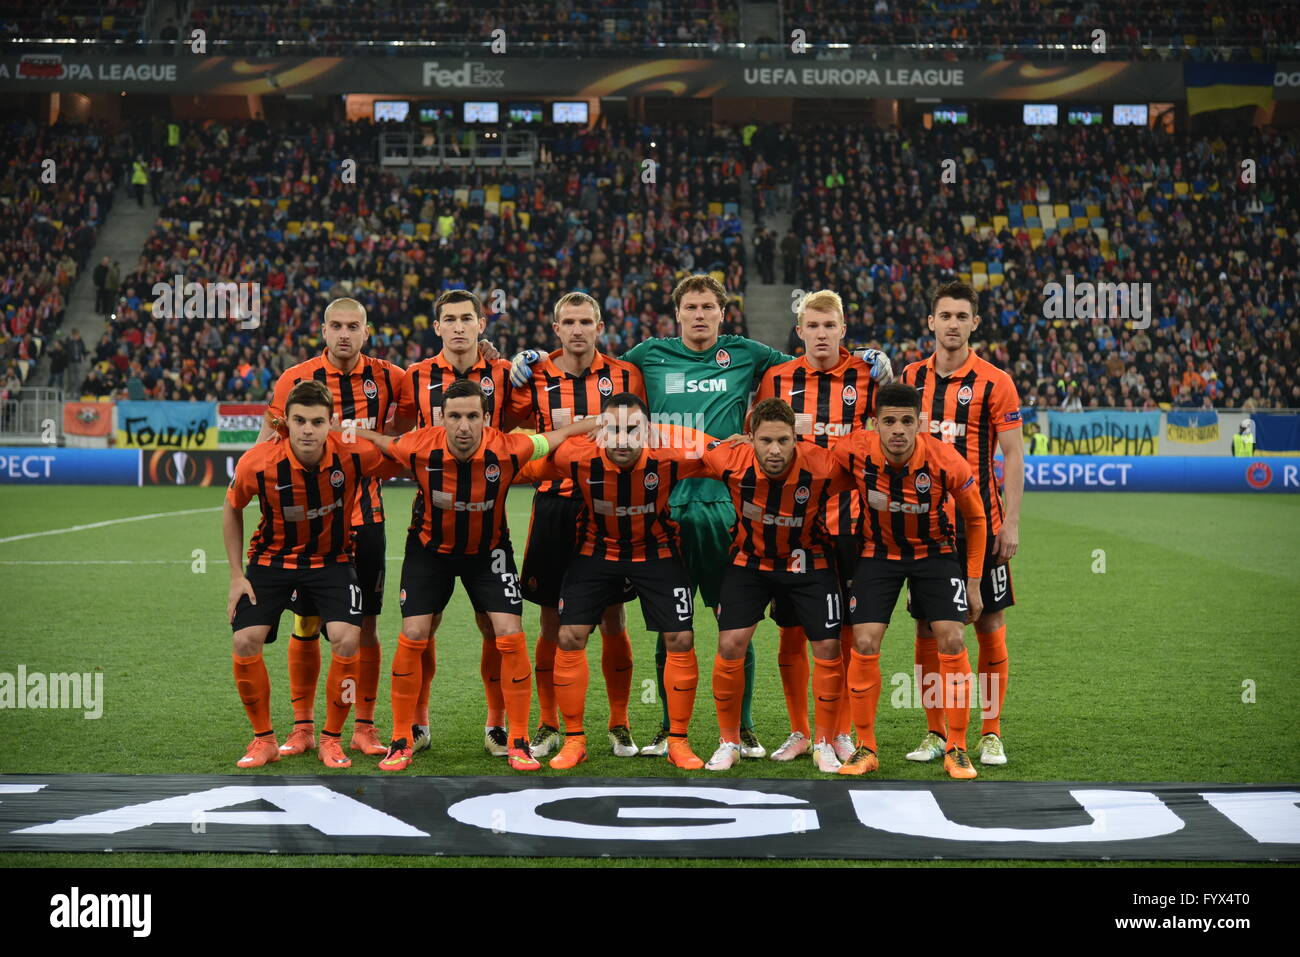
370 555
845 551
936 587
811 600
333 592
428 579
552 543
593 584
996 591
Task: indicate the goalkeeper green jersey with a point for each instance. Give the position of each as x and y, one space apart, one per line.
708 391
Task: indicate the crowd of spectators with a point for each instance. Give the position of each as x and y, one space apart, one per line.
56 188
1187 29
250 203
876 220
1200 29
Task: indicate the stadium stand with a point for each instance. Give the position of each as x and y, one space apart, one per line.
253 203
1209 30
1103 204
46 236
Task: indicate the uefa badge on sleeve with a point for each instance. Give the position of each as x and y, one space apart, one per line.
723 358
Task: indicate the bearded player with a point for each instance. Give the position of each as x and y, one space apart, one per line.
566 386
972 405
832 394
365 393
459 320
702 380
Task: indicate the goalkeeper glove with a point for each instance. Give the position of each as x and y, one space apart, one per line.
882 370
521 367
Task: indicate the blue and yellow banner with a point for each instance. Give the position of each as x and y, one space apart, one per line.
1226 86
1193 425
1102 432
167 425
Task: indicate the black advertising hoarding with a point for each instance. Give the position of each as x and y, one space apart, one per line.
794 77
639 817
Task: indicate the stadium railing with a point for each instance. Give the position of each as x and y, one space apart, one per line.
32 416
510 148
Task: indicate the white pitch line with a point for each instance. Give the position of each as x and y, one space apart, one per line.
104 524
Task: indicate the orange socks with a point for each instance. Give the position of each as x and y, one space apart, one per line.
544 656
927 659
254 686
728 691
407 680
864 690
489 669
844 720
994 673
792 662
428 668
616 666
367 683
956 695
681 675
340 692
828 695
571 679
304 673
516 683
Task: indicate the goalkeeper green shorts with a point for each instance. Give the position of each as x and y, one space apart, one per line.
706 541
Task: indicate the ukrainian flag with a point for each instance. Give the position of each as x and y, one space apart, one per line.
1225 86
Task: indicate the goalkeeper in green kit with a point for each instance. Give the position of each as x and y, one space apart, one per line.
703 381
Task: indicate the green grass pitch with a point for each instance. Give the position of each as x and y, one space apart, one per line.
1134 673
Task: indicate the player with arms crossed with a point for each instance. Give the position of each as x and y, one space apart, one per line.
625 535
365 392
908 482
567 386
832 394
973 406
459 320
702 380
463 470
305 486
782 556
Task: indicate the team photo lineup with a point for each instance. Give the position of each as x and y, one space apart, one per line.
651 433
617 517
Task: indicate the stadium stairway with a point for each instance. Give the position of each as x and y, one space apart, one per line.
767 306
121 238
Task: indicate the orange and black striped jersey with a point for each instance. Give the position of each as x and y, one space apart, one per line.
827 405
626 517
421 399
554 398
366 396
967 410
460 508
306 512
910 507
780 523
